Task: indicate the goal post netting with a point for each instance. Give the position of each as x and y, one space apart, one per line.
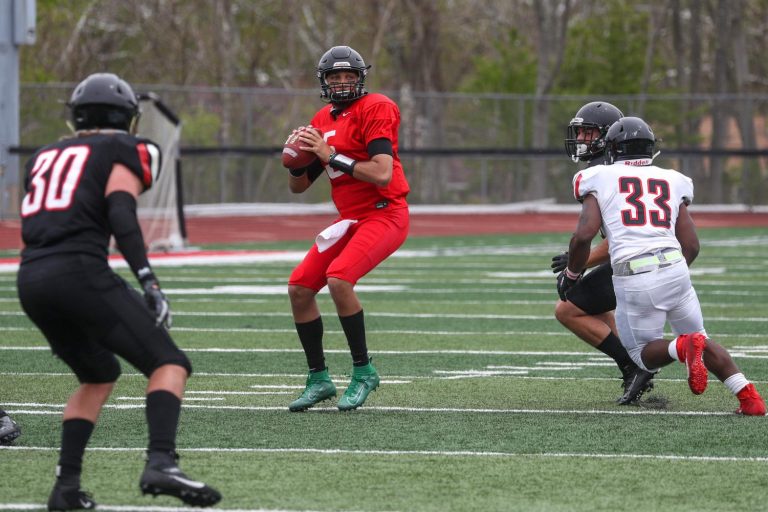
160 209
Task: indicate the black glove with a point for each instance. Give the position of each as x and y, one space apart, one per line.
156 301
564 283
559 262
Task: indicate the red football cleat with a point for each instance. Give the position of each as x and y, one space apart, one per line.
697 372
750 402
680 344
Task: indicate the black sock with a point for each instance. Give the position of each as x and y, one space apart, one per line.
612 347
75 434
354 329
311 337
163 410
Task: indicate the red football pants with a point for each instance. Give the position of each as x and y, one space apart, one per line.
367 243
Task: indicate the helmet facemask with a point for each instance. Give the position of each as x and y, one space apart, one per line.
584 148
597 116
342 92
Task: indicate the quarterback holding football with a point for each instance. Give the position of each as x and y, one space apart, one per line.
354 138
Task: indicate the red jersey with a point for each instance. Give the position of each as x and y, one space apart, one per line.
374 116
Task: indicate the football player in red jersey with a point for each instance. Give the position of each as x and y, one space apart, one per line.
80 191
355 140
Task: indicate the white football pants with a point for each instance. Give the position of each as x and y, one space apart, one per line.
645 302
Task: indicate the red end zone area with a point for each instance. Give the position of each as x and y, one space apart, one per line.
272 228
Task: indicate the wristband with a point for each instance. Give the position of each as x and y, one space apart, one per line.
571 275
342 163
145 275
297 173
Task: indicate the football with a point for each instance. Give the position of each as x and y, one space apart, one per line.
293 157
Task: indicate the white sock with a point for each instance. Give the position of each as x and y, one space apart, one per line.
672 349
736 382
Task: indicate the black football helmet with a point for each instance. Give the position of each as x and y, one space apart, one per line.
629 137
342 58
103 100
597 114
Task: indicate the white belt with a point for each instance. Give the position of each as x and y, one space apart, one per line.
648 262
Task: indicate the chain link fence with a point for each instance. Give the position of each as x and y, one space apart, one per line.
456 148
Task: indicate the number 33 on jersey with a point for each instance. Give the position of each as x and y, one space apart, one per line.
637 200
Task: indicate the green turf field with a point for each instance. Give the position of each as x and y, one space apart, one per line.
486 402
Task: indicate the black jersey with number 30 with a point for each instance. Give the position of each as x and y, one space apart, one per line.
64 209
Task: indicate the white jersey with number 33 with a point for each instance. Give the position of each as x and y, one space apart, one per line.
639 203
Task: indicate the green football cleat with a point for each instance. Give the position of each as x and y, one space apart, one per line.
319 387
364 380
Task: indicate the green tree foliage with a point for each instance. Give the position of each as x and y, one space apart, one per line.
509 68
605 53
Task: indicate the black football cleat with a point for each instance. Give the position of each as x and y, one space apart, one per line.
70 498
9 430
635 384
168 479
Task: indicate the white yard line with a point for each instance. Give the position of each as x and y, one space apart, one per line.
401 289
746 352
457 302
31 408
468 316
401 379
422 453
244 392
138 508
512 333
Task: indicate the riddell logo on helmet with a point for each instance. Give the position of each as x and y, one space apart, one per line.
342 65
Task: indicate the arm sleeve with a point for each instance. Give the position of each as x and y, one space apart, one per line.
380 147
314 170
121 211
